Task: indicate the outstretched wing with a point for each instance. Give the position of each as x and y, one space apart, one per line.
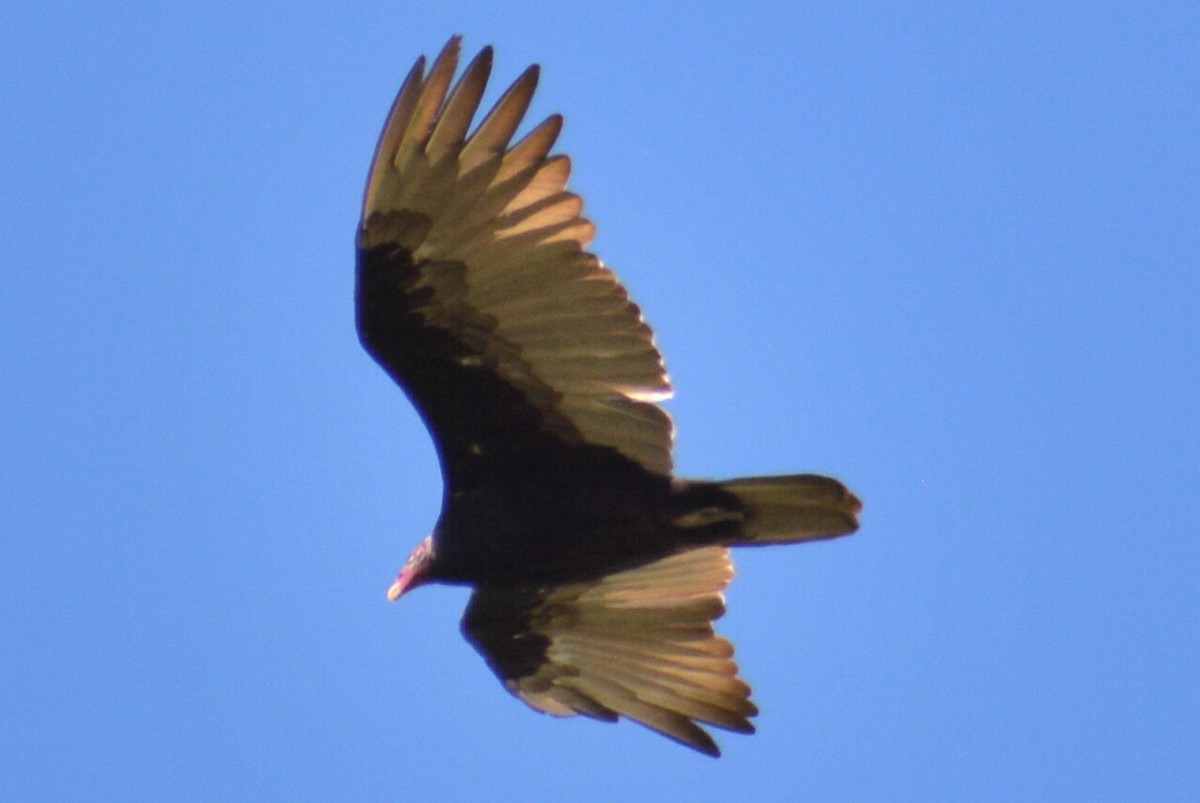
638 644
475 293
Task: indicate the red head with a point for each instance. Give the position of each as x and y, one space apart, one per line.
415 571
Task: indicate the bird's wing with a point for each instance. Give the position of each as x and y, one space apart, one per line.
638 644
475 293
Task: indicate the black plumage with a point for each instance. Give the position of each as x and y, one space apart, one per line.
597 573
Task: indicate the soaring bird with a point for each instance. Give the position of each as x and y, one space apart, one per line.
597 574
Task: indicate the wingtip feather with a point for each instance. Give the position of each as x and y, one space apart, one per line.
458 111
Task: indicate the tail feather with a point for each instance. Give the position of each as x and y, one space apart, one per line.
793 507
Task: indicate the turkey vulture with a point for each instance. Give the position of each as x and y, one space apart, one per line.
597 575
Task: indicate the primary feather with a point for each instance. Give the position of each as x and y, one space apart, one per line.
598 575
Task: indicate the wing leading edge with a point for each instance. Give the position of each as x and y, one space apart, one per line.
475 292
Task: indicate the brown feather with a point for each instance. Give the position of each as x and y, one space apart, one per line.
638 643
498 127
598 576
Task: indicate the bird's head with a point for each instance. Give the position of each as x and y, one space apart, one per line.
415 571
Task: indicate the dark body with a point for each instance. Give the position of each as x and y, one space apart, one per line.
597 574
527 500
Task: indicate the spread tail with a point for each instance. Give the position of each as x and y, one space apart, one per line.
793 507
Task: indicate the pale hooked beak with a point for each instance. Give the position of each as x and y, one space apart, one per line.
415 571
406 581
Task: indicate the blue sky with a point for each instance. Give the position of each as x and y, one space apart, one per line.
945 252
